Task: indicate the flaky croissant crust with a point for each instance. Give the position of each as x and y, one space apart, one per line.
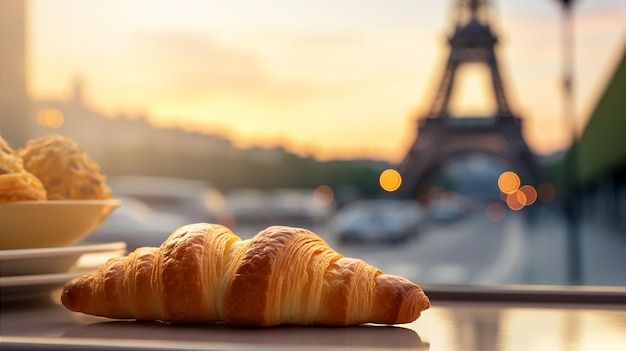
283 275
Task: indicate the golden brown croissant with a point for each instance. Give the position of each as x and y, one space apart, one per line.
283 275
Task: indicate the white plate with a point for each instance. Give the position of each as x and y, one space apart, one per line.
57 259
84 259
28 287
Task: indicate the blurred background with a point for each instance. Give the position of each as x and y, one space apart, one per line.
451 142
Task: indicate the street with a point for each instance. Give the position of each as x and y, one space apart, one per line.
469 251
474 250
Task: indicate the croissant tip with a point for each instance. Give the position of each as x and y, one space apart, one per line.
68 296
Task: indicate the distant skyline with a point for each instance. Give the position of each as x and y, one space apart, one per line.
331 79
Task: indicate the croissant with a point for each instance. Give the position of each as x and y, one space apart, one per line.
283 275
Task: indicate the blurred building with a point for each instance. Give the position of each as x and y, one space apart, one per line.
601 155
13 100
125 144
130 145
442 136
121 144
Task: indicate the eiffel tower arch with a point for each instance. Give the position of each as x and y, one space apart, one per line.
442 137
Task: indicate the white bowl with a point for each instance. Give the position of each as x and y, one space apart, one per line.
51 223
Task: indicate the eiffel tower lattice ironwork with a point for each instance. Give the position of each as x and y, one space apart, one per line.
441 137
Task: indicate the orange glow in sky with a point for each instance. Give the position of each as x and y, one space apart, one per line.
324 78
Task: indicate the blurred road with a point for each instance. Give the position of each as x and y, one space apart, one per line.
474 250
603 253
469 251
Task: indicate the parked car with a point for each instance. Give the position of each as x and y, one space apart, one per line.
379 220
249 205
194 200
449 208
298 207
137 224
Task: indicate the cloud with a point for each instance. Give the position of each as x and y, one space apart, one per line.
297 67
189 63
285 85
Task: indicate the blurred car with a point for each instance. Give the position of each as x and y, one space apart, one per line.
194 200
298 207
379 220
137 224
449 208
249 205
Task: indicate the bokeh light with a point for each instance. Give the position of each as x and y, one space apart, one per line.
503 196
546 192
516 200
495 212
323 195
530 193
517 197
50 117
390 180
508 182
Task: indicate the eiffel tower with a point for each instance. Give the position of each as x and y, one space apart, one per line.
442 137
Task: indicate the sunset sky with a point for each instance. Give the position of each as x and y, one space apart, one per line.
329 78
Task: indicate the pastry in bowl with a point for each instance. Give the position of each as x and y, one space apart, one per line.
5 148
16 184
64 168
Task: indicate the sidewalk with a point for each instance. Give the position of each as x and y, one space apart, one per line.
603 253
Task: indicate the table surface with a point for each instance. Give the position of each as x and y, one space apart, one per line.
447 325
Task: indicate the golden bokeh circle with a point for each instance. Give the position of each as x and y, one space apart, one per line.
390 180
508 182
